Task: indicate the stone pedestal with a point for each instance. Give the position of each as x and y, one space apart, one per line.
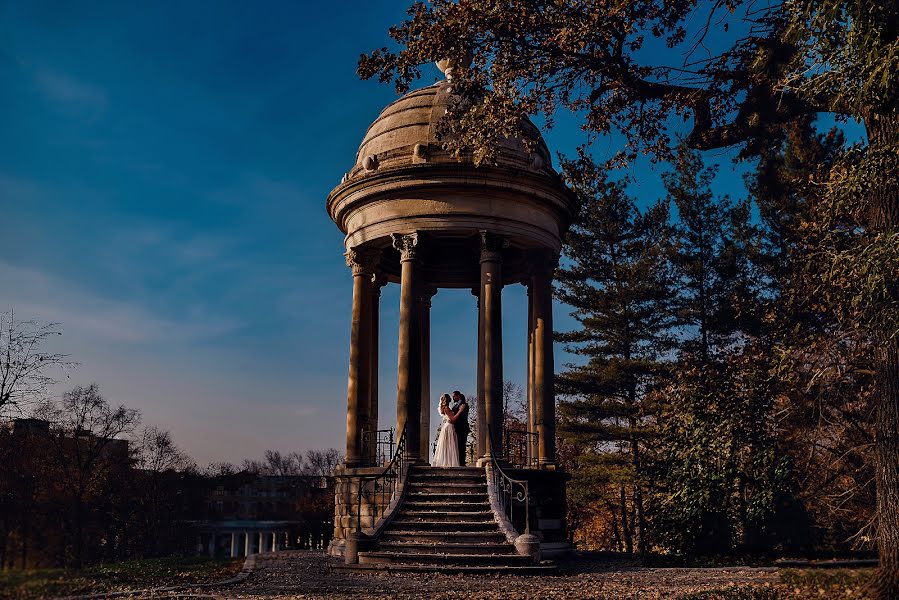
347 505
528 545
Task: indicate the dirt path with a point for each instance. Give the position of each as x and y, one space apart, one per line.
304 574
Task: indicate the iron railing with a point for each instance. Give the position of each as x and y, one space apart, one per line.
377 446
509 492
518 447
383 487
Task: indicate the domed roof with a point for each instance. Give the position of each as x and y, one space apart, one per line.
405 134
404 182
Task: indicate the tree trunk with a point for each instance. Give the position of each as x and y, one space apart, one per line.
883 130
638 492
625 528
616 532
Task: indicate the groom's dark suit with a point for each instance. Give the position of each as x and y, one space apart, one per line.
462 428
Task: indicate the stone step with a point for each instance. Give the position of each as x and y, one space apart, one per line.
422 558
451 569
448 548
440 477
465 499
450 507
400 524
448 471
440 537
442 484
422 496
448 488
457 517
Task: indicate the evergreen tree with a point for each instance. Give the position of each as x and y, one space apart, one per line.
713 466
615 279
823 380
781 62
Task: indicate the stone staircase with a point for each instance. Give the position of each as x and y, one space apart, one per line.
445 524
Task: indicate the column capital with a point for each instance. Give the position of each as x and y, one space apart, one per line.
409 246
492 246
363 261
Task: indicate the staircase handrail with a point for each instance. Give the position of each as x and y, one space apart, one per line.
392 478
507 491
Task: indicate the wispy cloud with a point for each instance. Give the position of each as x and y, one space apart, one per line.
35 294
70 94
181 250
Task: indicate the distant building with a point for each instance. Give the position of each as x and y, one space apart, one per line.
246 513
128 512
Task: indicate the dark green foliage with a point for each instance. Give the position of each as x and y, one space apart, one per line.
721 483
615 278
821 369
798 58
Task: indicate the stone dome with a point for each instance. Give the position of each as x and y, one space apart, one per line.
405 133
404 182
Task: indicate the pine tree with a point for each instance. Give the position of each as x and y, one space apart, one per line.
823 380
615 279
713 459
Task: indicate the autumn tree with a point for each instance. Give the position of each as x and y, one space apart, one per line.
616 279
88 454
742 72
712 464
823 382
157 487
26 364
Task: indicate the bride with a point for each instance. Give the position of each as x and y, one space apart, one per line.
447 452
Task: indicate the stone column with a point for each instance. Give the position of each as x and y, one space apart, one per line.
378 282
362 263
426 295
233 545
408 377
274 541
481 450
544 389
261 542
491 338
246 543
531 423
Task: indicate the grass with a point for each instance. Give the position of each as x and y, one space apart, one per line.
797 584
825 583
31 584
735 593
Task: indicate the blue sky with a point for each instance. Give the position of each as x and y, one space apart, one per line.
163 174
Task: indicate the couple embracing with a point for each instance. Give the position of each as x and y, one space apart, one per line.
453 436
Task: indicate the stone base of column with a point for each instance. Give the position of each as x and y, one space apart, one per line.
504 463
346 506
356 542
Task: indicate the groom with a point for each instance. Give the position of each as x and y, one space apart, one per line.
460 406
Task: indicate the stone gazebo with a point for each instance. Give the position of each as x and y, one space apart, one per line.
417 216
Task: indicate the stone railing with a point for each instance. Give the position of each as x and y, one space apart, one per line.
510 501
378 497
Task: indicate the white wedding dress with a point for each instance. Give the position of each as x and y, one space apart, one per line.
446 454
